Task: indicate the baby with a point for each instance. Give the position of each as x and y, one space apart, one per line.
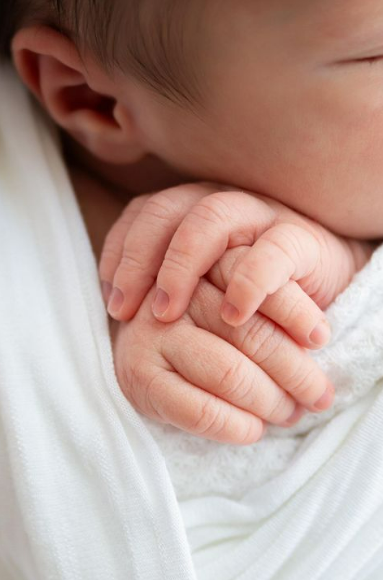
279 97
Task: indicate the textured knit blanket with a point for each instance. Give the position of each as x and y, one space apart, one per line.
87 492
305 502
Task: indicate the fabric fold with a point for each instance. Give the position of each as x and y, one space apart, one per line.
84 492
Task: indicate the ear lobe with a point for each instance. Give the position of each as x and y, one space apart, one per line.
51 67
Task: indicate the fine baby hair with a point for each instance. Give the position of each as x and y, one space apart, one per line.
143 38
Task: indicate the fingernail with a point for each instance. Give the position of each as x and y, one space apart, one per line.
106 291
321 334
294 418
161 303
115 302
326 399
229 313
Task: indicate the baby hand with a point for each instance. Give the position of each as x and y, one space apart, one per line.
180 233
204 377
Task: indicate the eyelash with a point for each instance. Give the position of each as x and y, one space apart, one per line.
371 60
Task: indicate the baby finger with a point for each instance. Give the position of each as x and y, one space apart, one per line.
219 221
173 400
228 374
114 244
145 246
294 311
282 361
284 252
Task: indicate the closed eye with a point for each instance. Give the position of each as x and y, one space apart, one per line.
365 60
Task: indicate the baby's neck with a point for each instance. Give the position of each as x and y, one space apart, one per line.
103 190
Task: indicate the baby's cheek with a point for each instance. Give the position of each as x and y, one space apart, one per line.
346 163
332 170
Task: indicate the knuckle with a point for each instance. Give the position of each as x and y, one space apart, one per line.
288 309
302 382
212 419
283 235
295 242
270 345
110 259
111 251
234 383
178 259
248 395
131 380
223 270
151 396
276 408
212 209
245 276
285 243
260 339
130 262
162 207
143 391
218 275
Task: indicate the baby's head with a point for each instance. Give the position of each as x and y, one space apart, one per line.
283 97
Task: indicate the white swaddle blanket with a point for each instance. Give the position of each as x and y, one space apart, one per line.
84 490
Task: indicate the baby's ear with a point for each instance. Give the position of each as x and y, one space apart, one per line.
78 95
